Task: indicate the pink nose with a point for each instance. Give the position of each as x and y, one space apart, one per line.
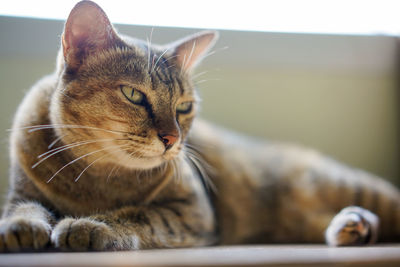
168 140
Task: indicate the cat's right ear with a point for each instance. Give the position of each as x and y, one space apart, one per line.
87 31
190 50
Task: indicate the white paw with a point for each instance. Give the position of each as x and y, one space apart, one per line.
352 226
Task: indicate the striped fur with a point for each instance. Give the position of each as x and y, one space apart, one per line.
90 170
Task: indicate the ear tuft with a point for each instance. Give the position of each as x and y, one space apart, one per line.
190 50
87 30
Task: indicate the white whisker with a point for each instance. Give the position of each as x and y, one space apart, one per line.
75 144
205 80
178 174
171 57
152 61
192 151
148 47
83 156
199 74
34 128
201 165
170 66
57 150
55 141
112 170
203 173
155 65
173 165
214 51
117 167
190 55
183 63
87 167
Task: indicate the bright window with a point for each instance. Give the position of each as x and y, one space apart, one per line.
309 16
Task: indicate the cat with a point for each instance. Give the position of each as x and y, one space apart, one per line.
106 154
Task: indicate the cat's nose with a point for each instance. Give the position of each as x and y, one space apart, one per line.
168 140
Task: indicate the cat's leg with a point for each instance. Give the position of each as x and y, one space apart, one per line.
25 226
352 226
178 224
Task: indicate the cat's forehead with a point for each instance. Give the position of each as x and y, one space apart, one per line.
154 72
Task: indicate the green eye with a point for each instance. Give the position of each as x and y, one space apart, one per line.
132 94
184 107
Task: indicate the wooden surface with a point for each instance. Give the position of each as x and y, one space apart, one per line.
266 255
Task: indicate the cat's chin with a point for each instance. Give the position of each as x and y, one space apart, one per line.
143 163
146 163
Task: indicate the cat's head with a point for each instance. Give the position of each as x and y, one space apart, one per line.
135 101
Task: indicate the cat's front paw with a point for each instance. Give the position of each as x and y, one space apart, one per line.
83 235
23 234
352 226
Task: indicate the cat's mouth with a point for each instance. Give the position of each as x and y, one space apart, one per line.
146 161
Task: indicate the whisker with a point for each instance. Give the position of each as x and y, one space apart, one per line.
207 181
191 146
83 156
75 144
168 175
65 148
62 91
152 61
112 170
148 47
155 65
87 167
214 51
170 66
55 141
197 148
190 55
194 152
168 58
205 80
199 74
177 171
34 128
201 165
174 170
118 167
183 63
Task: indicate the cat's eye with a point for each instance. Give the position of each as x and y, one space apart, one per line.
184 107
133 95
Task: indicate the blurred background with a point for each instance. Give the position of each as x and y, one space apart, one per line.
332 89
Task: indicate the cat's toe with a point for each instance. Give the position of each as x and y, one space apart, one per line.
352 226
83 235
21 234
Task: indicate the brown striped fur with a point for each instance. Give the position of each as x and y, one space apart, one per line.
286 193
119 186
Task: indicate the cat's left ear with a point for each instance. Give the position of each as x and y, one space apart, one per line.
190 50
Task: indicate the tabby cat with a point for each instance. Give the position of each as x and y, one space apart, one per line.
106 155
